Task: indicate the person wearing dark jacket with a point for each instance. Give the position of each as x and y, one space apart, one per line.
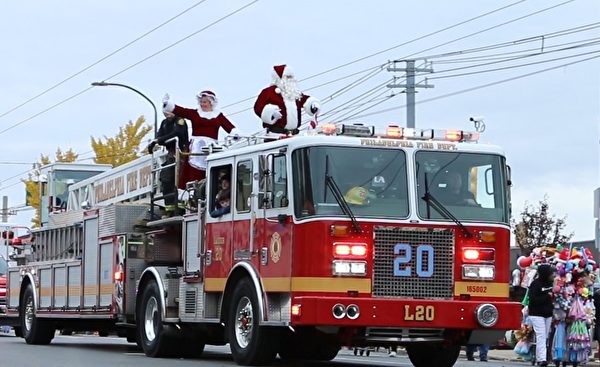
540 309
172 126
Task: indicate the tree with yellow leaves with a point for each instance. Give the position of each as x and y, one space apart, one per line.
123 147
32 184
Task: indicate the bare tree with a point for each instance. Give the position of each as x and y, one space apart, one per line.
537 227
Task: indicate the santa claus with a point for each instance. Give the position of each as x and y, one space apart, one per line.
279 106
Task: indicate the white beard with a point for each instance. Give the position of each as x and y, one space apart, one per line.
289 89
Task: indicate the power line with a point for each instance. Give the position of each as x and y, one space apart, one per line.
505 55
508 59
481 86
518 42
511 66
183 39
45 110
423 37
128 68
415 39
488 29
102 59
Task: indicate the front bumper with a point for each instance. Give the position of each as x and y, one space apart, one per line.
405 313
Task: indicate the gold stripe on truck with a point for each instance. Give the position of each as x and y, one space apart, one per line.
300 284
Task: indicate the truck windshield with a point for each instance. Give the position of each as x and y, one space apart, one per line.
470 186
373 181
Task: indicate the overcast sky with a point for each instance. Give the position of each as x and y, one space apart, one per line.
547 123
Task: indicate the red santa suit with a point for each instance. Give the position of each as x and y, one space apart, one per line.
205 130
277 100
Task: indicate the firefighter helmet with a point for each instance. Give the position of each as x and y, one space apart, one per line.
357 196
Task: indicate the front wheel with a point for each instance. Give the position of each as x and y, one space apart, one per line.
153 334
433 355
250 343
34 330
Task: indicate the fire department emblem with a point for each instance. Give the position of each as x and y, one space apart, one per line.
275 247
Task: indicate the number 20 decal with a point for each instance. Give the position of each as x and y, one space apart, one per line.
423 266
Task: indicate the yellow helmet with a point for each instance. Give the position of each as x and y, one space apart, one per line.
357 196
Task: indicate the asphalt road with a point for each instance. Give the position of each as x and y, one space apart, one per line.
91 351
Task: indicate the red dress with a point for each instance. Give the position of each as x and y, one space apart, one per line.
204 124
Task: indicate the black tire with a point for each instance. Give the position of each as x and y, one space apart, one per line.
18 331
355 351
310 345
189 347
433 355
155 337
34 330
250 343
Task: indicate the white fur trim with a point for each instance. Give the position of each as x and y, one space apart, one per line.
208 114
168 106
309 103
287 70
267 114
292 113
278 90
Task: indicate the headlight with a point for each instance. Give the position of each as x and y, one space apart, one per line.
487 272
343 267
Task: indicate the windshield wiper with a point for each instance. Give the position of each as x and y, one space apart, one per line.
440 208
337 194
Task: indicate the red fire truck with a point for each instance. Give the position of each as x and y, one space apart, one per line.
346 237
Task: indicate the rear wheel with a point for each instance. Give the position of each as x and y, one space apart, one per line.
34 330
433 355
155 337
310 345
250 343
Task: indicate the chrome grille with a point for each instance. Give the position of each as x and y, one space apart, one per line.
438 285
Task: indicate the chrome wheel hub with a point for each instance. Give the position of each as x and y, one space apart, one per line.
243 322
151 318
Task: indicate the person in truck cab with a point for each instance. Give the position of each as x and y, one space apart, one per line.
453 191
224 202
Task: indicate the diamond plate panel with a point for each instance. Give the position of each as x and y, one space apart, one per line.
120 218
438 285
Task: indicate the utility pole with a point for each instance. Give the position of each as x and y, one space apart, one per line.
410 86
4 209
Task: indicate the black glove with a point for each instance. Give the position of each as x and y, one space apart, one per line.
151 146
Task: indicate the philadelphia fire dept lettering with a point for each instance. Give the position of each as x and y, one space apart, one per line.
110 189
424 260
127 182
387 143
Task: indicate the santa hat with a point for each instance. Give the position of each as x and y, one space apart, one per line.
208 93
282 70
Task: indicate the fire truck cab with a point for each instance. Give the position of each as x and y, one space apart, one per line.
346 237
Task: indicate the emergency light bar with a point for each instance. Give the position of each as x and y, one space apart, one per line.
397 132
